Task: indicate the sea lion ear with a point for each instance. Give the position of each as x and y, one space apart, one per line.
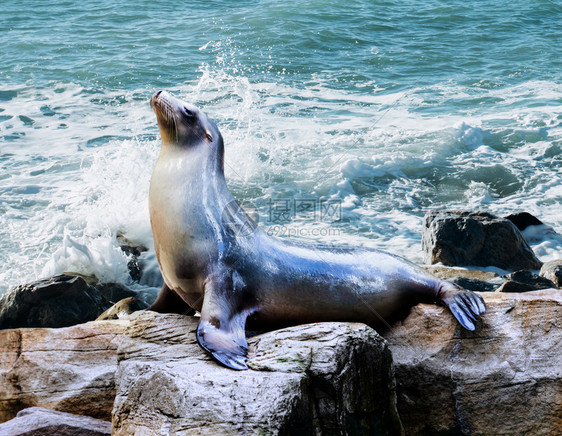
221 329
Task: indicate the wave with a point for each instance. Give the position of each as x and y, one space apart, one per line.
76 162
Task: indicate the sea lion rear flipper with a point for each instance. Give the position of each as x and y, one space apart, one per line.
221 329
168 301
465 305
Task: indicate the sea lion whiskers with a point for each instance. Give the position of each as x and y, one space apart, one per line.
167 117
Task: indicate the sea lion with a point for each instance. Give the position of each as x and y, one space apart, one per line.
220 263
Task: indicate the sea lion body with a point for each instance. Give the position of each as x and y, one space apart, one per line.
218 262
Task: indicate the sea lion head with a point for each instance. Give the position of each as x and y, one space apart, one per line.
183 125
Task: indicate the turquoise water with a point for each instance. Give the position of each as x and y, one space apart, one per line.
386 108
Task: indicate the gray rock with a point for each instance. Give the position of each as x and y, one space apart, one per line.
327 378
503 379
59 301
37 421
479 239
524 281
473 280
69 369
553 271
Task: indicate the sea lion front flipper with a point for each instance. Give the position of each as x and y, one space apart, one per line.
466 306
221 329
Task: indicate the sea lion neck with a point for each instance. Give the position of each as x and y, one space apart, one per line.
192 166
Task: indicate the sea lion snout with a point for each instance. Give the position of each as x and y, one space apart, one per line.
182 123
177 120
154 98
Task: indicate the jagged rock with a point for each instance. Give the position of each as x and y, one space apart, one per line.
329 378
553 271
123 309
69 369
59 301
504 378
524 281
479 239
37 421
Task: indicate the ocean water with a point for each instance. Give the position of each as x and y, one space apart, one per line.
343 121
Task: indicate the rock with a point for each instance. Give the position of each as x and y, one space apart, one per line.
473 280
134 250
478 239
59 301
123 309
446 273
475 285
522 220
129 247
91 279
524 281
42 422
505 378
69 369
553 271
327 378
115 292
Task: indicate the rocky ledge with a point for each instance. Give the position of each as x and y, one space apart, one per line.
147 375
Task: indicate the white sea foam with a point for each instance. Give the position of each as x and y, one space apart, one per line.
79 170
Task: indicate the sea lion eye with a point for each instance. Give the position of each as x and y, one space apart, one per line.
188 113
209 136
